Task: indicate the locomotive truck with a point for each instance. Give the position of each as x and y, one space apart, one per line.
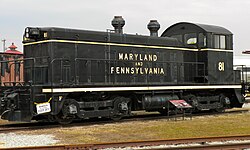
79 74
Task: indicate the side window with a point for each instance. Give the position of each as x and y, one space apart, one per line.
190 38
216 41
202 40
220 41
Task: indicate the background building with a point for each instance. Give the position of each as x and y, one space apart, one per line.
11 66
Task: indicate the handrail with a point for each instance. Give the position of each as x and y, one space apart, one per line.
198 72
199 69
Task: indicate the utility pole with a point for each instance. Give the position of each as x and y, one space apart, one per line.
3 40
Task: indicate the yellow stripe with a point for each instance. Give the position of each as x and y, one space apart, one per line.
218 50
145 88
123 45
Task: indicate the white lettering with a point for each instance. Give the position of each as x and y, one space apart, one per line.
155 58
132 70
150 71
155 71
137 70
145 57
141 72
118 70
127 70
137 61
126 56
131 56
120 56
136 55
112 70
150 58
146 70
162 71
140 57
122 70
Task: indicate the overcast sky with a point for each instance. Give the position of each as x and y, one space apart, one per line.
97 14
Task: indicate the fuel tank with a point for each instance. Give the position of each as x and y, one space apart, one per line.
157 102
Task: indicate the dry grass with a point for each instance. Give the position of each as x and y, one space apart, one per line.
222 125
3 122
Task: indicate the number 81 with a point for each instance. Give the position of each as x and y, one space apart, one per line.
221 66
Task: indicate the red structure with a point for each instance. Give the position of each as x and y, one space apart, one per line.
12 50
11 66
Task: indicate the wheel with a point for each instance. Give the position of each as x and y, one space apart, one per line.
122 108
116 117
193 101
68 112
62 119
224 102
220 110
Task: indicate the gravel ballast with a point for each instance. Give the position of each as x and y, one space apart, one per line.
11 140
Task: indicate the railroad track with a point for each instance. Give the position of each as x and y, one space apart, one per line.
5 128
228 142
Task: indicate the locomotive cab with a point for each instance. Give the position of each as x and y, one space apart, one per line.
200 36
213 46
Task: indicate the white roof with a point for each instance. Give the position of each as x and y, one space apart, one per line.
242 60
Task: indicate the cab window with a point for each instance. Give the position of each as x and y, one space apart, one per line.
220 41
190 39
202 40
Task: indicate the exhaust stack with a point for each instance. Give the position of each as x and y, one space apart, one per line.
153 27
118 22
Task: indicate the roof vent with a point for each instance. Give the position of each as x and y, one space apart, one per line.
118 22
153 27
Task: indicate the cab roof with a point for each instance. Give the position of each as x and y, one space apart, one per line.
194 27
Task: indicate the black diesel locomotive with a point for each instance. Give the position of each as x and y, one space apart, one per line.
78 74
